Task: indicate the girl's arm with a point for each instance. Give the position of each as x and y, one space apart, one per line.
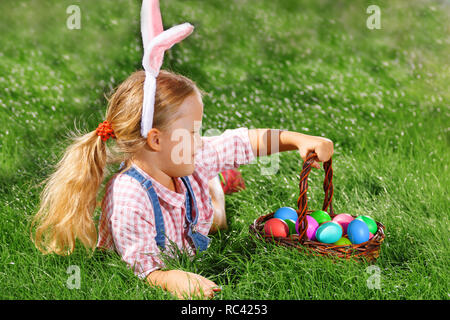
183 284
269 141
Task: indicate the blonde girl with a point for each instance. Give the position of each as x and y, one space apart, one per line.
164 194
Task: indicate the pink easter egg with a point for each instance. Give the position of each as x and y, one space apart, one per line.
370 235
313 225
343 219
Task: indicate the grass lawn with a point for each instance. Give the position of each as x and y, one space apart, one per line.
314 67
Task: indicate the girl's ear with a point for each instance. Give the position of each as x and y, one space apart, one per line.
154 139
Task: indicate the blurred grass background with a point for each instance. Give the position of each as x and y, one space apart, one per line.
314 67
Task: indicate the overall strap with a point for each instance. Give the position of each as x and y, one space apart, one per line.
189 196
159 220
200 241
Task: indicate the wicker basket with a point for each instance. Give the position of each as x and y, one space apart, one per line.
368 250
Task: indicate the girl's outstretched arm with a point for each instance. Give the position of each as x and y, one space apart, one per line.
269 141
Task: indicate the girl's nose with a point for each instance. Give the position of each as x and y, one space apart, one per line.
197 142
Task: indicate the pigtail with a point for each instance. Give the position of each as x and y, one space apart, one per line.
68 200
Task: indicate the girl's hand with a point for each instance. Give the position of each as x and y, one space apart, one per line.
183 284
323 147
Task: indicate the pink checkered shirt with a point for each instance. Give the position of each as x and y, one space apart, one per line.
127 222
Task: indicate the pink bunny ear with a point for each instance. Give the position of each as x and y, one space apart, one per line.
156 42
151 22
154 55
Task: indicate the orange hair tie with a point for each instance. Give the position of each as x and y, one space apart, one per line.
105 131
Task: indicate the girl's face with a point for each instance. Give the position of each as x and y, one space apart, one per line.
182 140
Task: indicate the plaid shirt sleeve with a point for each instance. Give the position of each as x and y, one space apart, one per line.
134 234
229 150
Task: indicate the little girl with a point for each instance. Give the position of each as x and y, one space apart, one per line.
161 196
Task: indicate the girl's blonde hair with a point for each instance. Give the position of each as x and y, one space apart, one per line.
69 198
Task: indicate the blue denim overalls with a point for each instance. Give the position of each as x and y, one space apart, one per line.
199 240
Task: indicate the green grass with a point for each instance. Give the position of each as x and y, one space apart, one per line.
308 66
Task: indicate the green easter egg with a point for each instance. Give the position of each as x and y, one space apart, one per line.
291 225
320 216
370 223
343 242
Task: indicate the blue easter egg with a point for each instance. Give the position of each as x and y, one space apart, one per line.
286 213
329 232
358 232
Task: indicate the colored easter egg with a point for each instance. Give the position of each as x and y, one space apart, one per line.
329 232
291 226
312 227
343 242
358 232
370 235
321 216
343 219
286 213
276 227
370 223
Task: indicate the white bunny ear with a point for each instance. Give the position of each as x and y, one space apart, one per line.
156 42
154 54
151 22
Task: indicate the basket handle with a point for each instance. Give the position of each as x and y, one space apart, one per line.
302 201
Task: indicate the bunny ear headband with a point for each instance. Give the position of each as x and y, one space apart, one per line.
156 41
